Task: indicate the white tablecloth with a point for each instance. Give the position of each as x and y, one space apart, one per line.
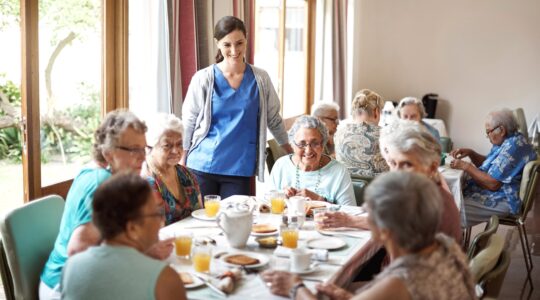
252 287
454 179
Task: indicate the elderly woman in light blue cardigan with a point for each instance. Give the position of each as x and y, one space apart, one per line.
308 172
227 109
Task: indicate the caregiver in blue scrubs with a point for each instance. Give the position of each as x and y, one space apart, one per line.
227 109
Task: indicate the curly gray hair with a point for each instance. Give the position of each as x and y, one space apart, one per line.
322 106
113 125
161 123
411 137
408 205
505 118
410 101
308 122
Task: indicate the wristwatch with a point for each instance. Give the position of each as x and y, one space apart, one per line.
294 290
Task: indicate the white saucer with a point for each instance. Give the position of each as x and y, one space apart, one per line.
312 268
201 215
197 282
265 234
327 243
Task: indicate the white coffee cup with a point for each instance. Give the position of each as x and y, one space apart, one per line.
300 260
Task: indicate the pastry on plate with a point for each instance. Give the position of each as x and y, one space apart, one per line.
241 260
185 277
263 228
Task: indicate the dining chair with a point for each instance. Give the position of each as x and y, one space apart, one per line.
519 114
7 281
28 236
527 193
480 240
359 184
492 281
274 152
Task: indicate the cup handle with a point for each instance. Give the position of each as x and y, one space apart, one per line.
218 221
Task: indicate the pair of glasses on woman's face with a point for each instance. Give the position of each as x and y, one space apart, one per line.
304 145
133 151
489 131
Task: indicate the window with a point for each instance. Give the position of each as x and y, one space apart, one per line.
282 48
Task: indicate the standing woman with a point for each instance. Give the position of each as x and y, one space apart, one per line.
227 109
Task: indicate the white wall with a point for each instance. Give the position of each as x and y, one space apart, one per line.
478 55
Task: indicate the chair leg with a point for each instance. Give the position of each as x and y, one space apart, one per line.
529 256
466 238
526 251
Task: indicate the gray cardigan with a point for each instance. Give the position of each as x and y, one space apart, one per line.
197 112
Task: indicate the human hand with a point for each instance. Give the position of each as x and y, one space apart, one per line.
289 191
280 282
335 219
459 164
333 291
307 193
461 153
162 249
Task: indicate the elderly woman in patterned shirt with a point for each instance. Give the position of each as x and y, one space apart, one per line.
357 143
494 179
176 187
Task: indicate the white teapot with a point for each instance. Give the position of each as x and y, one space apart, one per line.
236 222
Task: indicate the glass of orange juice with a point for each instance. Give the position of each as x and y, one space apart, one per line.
201 257
211 205
182 244
289 237
277 202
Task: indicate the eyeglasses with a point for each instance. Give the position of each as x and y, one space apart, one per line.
488 132
303 145
334 120
158 214
168 147
133 151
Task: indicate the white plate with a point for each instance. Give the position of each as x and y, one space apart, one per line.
317 203
197 282
201 215
265 234
328 243
312 268
263 259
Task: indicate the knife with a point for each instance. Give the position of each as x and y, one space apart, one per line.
210 285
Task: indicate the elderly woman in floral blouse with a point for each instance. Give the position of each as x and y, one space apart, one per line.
495 178
357 143
177 188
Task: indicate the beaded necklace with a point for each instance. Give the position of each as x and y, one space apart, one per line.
316 190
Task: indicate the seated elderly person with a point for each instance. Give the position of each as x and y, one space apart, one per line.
128 219
407 146
357 143
494 179
412 109
177 188
308 172
404 213
327 112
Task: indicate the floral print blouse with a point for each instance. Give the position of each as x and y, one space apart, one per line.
504 163
357 147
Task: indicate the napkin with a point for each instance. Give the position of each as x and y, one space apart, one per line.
316 254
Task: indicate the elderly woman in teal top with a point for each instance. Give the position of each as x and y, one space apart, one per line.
494 179
177 189
119 146
308 172
227 109
410 108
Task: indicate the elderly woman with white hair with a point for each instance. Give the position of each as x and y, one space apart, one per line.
407 146
177 188
327 112
403 214
494 179
357 142
308 172
412 109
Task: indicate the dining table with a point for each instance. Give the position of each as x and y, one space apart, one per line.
340 267
454 178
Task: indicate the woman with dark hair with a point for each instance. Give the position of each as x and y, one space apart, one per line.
128 219
227 109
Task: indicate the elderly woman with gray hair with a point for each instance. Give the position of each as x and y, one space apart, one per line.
407 146
412 109
357 143
176 187
308 172
404 213
327 112
494 179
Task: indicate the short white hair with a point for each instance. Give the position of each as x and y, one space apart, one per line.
505 118
321 106
160 123
409 101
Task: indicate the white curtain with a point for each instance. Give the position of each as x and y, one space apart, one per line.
149 59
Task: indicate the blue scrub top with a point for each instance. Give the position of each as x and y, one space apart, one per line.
230 148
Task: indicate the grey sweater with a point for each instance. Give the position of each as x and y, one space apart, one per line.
197 112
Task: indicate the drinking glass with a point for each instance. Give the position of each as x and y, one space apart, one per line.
289 236
211 205
201 257
277 202
182 244
318 217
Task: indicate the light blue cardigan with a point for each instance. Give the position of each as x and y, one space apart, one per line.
197 112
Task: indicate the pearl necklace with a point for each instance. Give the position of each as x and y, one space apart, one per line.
316 190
